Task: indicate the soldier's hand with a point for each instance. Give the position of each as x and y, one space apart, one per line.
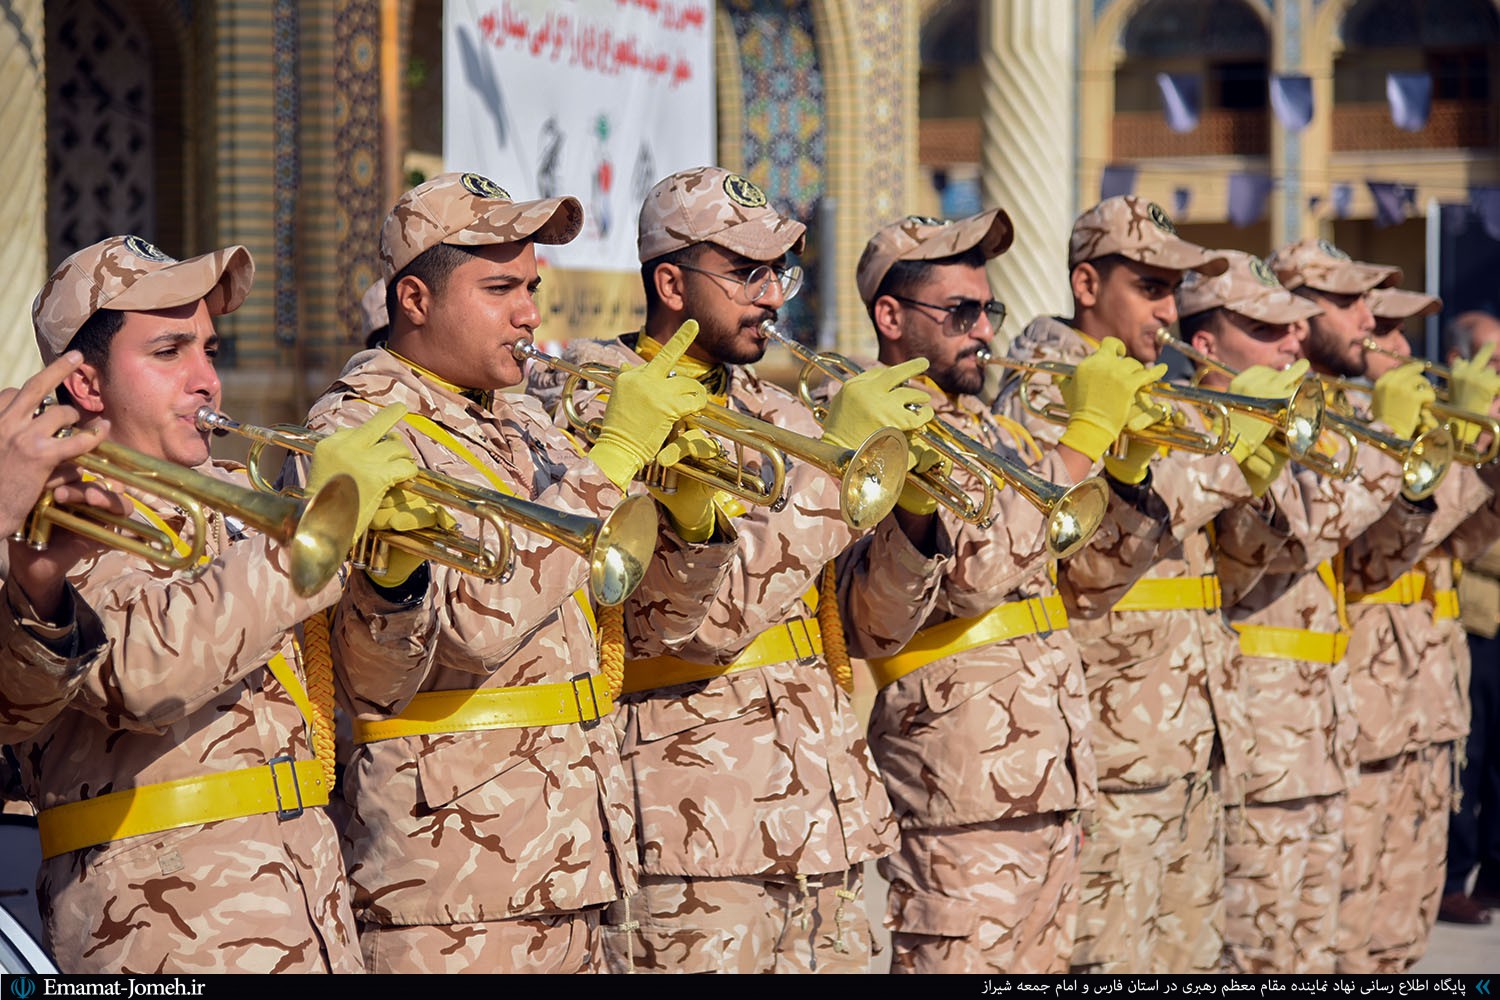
925 458
644 404
1474 384
376 462
687 501
874 399
1261 467
1100 396
1250 432
1399 397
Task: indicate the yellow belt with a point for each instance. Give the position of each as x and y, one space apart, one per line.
1008 621
798 639
1407 589
434 712
1153 594
1445 605
283 787
1273 642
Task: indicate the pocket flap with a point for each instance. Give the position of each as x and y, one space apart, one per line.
930 913
455 764
674 710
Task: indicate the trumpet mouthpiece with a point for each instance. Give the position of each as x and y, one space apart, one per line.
209 419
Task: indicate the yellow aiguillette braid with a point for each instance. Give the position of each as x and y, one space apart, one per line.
317 661
835 650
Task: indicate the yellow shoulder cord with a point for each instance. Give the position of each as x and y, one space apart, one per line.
835 649
1332 575
156 522
317 662
610 627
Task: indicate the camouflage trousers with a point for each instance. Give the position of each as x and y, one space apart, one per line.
1282 867
1396 832
547 942
742 924
990 897
1152 886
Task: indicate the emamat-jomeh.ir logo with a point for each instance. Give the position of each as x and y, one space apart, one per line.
21 987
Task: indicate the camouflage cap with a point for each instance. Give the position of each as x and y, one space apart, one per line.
372 309
470 210
1400 304
1137 230
1249 288
1322 266
712 205
129 273
919 238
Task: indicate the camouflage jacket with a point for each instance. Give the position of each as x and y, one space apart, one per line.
761 771
1409 677
42 667
490 824
1311 751
1001 730
1161 685
183 692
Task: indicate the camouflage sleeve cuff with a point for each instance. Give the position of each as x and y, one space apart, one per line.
73 640
405 596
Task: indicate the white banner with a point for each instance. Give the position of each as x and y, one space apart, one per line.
599 99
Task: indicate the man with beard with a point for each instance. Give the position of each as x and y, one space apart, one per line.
1144 606
980 727
756 798
1284 843
1409 661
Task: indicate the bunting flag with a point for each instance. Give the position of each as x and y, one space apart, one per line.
1343 196
1247 198
1117 179
1392 200
1410 96
1181 199
1181 97
1292 100
1485 201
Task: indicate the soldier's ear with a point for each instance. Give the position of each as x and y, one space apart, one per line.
671 281
86 389
886 314
1085 281
413 301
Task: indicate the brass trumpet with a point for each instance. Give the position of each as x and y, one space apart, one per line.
618 548
870 476
1073 513
316 529
1424 459
1441 411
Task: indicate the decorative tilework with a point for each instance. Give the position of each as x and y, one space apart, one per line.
357 192
288 167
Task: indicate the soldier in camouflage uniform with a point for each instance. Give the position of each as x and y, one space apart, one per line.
490 817
1410 693
1285 843
755 794
1143 603
980 726
178 790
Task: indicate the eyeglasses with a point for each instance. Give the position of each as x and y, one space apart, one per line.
757 282
962 316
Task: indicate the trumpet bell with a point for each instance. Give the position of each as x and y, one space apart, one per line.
1302 423
621 550
1426 462
873 479
1075 516
322 537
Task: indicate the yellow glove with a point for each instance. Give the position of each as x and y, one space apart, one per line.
1263 382
913 498
1399 397
690 505
644 404
374 461
1261 467
1132 466
1473 386
1099 396
875 399
403 510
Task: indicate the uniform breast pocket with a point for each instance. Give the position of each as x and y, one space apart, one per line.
742 697
462 763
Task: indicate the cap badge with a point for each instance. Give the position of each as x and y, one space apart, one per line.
146 250
478 184
1332 251
742 191
1263 273
1159 217
925 220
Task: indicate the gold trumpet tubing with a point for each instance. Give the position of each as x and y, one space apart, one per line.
937 485
313 529
725 472
1428 367
869 482
1424 459
1073 513
1468 454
